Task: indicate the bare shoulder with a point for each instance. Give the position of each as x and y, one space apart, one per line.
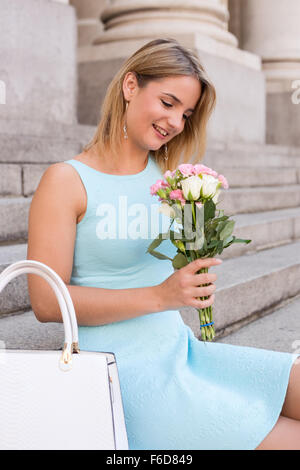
62 178
52 232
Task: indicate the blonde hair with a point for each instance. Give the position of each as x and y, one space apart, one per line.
160 58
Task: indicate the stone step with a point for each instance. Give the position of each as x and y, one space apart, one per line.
221 157
276 331
253 177
23 331
31 149
17 179
15 295
247 285
20 179
14 134
251 284
22 147
25 141
265 230
259 199
27 150
14 211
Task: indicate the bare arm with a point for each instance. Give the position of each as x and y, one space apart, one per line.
178 290
51 239
55 207
98 306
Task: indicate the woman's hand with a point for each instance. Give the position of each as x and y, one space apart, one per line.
181 289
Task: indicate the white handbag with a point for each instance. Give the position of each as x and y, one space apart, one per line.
65 400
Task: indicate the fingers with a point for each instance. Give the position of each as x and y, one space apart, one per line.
206 303
204 291
204 278
197 303
194 266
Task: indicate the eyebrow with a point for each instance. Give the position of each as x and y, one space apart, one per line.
178 100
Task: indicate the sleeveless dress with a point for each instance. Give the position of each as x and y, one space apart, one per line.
178 393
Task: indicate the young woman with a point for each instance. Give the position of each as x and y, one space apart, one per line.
178 392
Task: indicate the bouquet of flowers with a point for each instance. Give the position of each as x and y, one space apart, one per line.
189 195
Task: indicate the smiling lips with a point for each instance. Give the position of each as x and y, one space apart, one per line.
160 130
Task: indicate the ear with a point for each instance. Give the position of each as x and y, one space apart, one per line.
130 85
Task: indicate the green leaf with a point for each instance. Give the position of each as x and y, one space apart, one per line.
224 217
179 261
209 210
212 244
220 227
228 240
159 255
227 230
220 247
240 240
156 242
175 235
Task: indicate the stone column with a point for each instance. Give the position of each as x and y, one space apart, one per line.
38 62
270 28
201 25
234 25
88 20
38 92
126 20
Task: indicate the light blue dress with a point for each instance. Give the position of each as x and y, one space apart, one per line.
178 392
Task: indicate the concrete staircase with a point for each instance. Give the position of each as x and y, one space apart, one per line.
22 151
259 282
20 172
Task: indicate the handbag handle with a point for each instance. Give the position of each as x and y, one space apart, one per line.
62 295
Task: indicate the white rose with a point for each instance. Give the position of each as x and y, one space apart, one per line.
191 185
167 210
209 186
216 196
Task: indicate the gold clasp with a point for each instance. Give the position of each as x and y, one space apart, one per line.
65 362
75 348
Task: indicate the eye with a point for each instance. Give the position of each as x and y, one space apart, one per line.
169 105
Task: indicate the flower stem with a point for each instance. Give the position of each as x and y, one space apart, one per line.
205 316
193 211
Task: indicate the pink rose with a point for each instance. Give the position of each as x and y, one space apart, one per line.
167 174
177 194
153 189
160 184
224 181
187 169
205 170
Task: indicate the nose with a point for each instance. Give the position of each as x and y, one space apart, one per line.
175 122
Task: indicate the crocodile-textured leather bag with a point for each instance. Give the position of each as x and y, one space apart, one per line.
66 399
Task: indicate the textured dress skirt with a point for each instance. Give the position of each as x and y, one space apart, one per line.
178 393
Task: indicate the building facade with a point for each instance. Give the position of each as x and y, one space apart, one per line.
251 48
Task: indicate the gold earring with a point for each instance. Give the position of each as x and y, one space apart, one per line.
166 152
125 127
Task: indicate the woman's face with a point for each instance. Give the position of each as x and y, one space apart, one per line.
162 107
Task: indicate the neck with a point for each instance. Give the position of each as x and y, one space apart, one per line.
132 159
